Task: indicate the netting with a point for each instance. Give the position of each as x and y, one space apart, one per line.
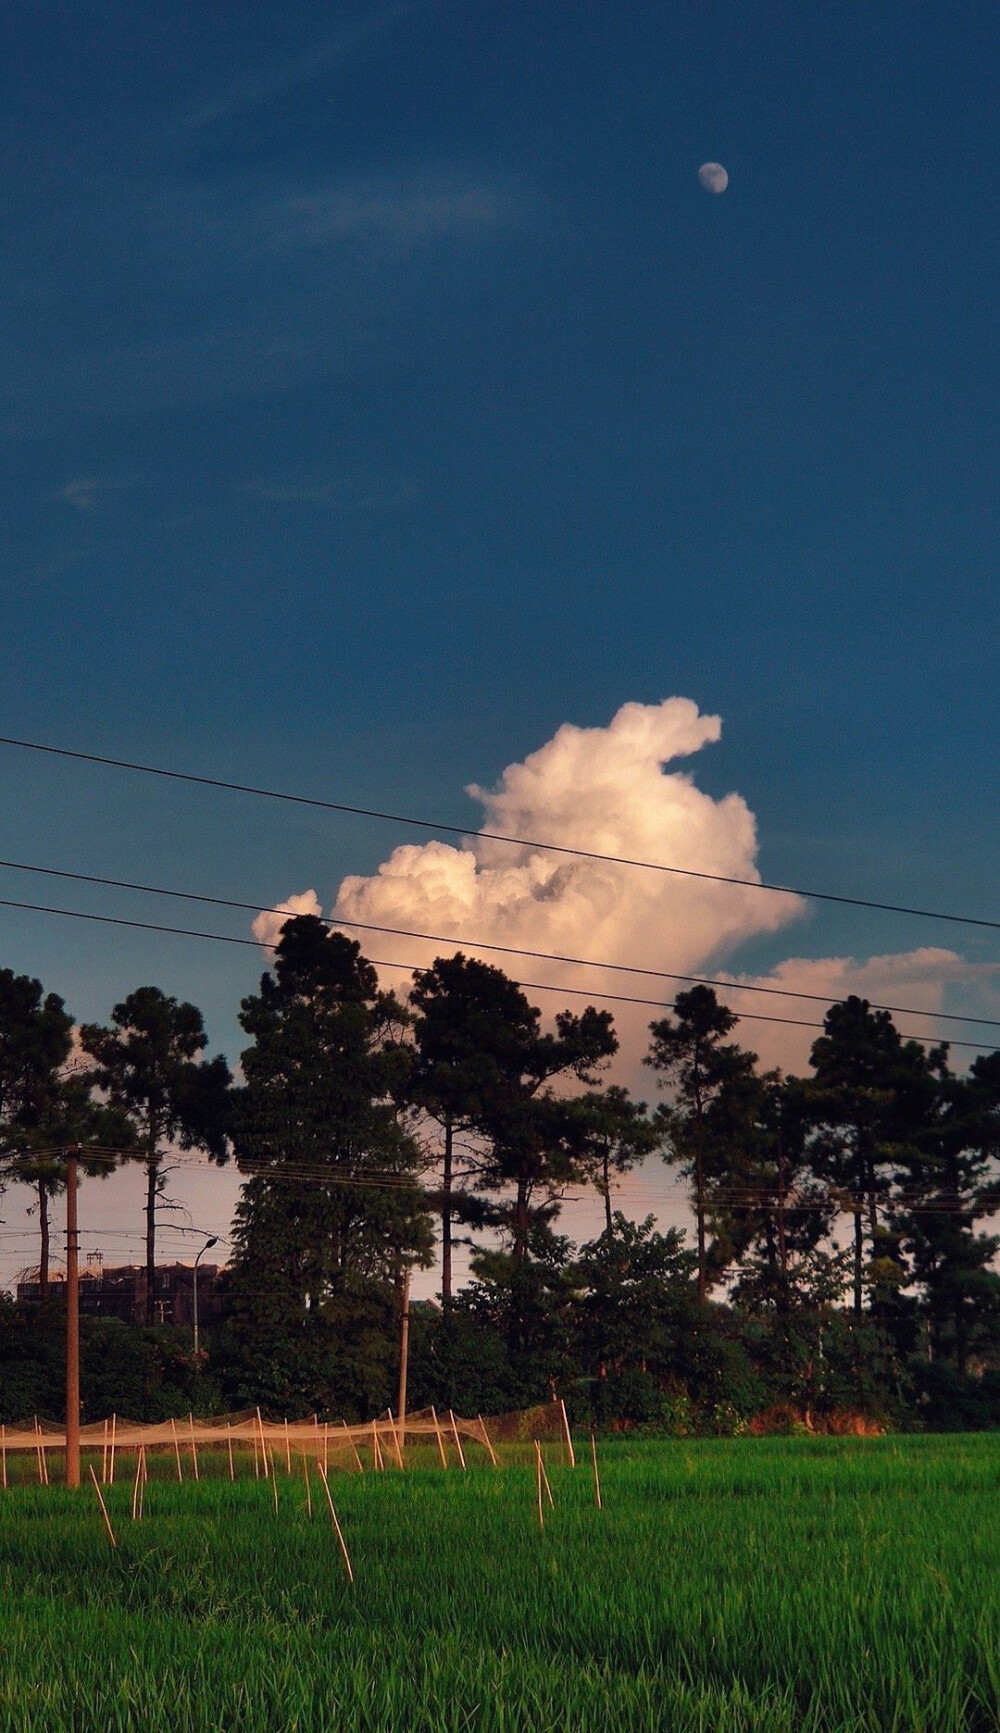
331 1444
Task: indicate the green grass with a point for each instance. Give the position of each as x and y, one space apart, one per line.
752 1586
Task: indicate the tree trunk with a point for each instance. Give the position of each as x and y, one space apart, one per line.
699 1210
446 1218
859 1258
606 1187
43 1229
521 1221
699 1176
152 1174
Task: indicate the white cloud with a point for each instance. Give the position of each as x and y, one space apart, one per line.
607 790
917 978
87 492
268 924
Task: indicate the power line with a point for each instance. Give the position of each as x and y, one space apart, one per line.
489 835
475 944
396 963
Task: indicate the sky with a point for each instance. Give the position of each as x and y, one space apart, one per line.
388 412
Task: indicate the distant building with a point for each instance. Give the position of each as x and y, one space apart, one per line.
119 1291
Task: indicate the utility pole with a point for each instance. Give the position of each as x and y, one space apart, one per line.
404 1353
72 1329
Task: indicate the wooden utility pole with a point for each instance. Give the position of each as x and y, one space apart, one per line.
404 1354
72 1329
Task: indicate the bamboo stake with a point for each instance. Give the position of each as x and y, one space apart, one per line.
274 1484
136 1484
597 1478
256 1462
538 1486
486 1441
111 1454
194 1447
288 1449
309 1500
376 1453
437 1433
336 1524
395 1438
177 1448
104 1457
350 1435
569 1442
104 1508
39 1452
263 1444
545 1479
458 1441
229 1442
142 1483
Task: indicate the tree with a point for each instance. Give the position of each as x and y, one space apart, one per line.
947 1178
616 1134
469 1015
149 1064
332 1207
45 1107
537 1136
35 1042
867 1105
714 1090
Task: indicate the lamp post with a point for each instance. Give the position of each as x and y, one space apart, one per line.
209 1243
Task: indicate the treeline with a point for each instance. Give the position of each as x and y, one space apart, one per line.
839 1256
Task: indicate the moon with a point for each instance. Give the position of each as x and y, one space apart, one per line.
713 177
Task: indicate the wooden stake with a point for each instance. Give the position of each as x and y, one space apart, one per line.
274 1484
340 1535
571 1454
3 1453
350 1435
486 1441
194 1447
263 1444
229 1441
376 1452
104 1457
545 1479
177 1448
256 1462
309 1497
395 1438
142 1483
104 1508
437 1433
43 1478
538 1486
288 1449
111 1455
597 1478
137 1483
458 1441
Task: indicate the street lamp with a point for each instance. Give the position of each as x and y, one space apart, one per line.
209 1243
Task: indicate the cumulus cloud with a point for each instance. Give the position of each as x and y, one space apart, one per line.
601 789
917 978
617 791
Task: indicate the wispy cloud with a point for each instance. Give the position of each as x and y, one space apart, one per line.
401 215
256 90
87 493
340 493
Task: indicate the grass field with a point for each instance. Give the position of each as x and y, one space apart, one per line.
820 1586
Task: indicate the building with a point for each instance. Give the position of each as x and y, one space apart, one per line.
119 1291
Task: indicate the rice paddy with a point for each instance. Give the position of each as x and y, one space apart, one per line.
743 1586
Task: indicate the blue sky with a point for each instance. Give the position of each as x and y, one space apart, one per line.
380 390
